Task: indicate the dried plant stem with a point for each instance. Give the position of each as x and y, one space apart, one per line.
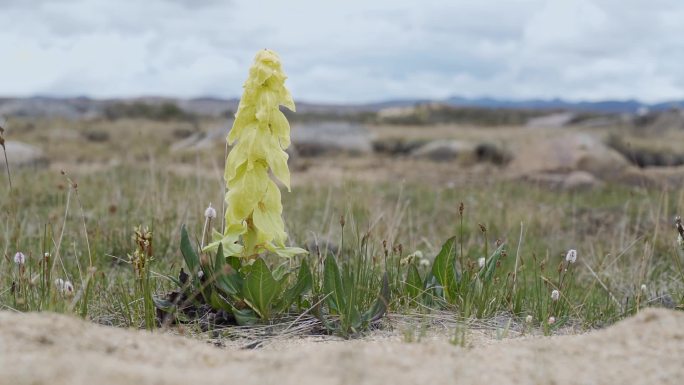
517 257
9 175
61 234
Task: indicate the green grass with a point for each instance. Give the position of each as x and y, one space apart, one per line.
624 238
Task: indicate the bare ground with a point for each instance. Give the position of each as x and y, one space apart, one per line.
55 349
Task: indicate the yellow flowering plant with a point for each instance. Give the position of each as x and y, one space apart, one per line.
259 137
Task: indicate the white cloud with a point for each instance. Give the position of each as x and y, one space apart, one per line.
346 51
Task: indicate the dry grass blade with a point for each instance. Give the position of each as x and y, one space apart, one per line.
4 150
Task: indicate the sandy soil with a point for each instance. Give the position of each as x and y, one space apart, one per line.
53 349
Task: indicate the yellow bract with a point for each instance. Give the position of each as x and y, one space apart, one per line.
259 137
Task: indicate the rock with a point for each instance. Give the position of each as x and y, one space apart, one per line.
671 177
397 146
21 154
201 141
580 180
492 153
566 153
321 139
576 180
555 120
445 150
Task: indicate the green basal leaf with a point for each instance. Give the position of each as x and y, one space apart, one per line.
245 317
226 278
189 253
260 288
414 284
303 284
380 305
333 288
488 272
444 269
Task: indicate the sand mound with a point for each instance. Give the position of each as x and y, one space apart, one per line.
53 349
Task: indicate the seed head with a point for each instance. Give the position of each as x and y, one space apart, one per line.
528 319
555 295
19 258
424 262
210 212
571 256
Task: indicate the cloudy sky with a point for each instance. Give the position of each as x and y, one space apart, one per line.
346 51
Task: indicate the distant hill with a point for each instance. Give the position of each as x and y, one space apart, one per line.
84 107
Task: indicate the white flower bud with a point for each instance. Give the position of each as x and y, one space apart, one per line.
481 262
555 295
644 288
210 212
19 258
424 262
528 319
59 283
552 320
200 274
571 256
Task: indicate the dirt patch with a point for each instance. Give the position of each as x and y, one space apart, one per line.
53 349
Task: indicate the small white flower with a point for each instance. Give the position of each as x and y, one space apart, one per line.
528 319
417 254
571 256
19 258
424 262
481 262
552 320
555 295
210 212
200 274
644 288
68 288
59 283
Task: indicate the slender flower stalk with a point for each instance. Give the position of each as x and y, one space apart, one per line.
209 215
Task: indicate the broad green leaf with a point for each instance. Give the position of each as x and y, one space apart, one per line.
380 305
304 283
414 284
226 277
260 288
332 286
488 272
245 317
444 270
188 251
